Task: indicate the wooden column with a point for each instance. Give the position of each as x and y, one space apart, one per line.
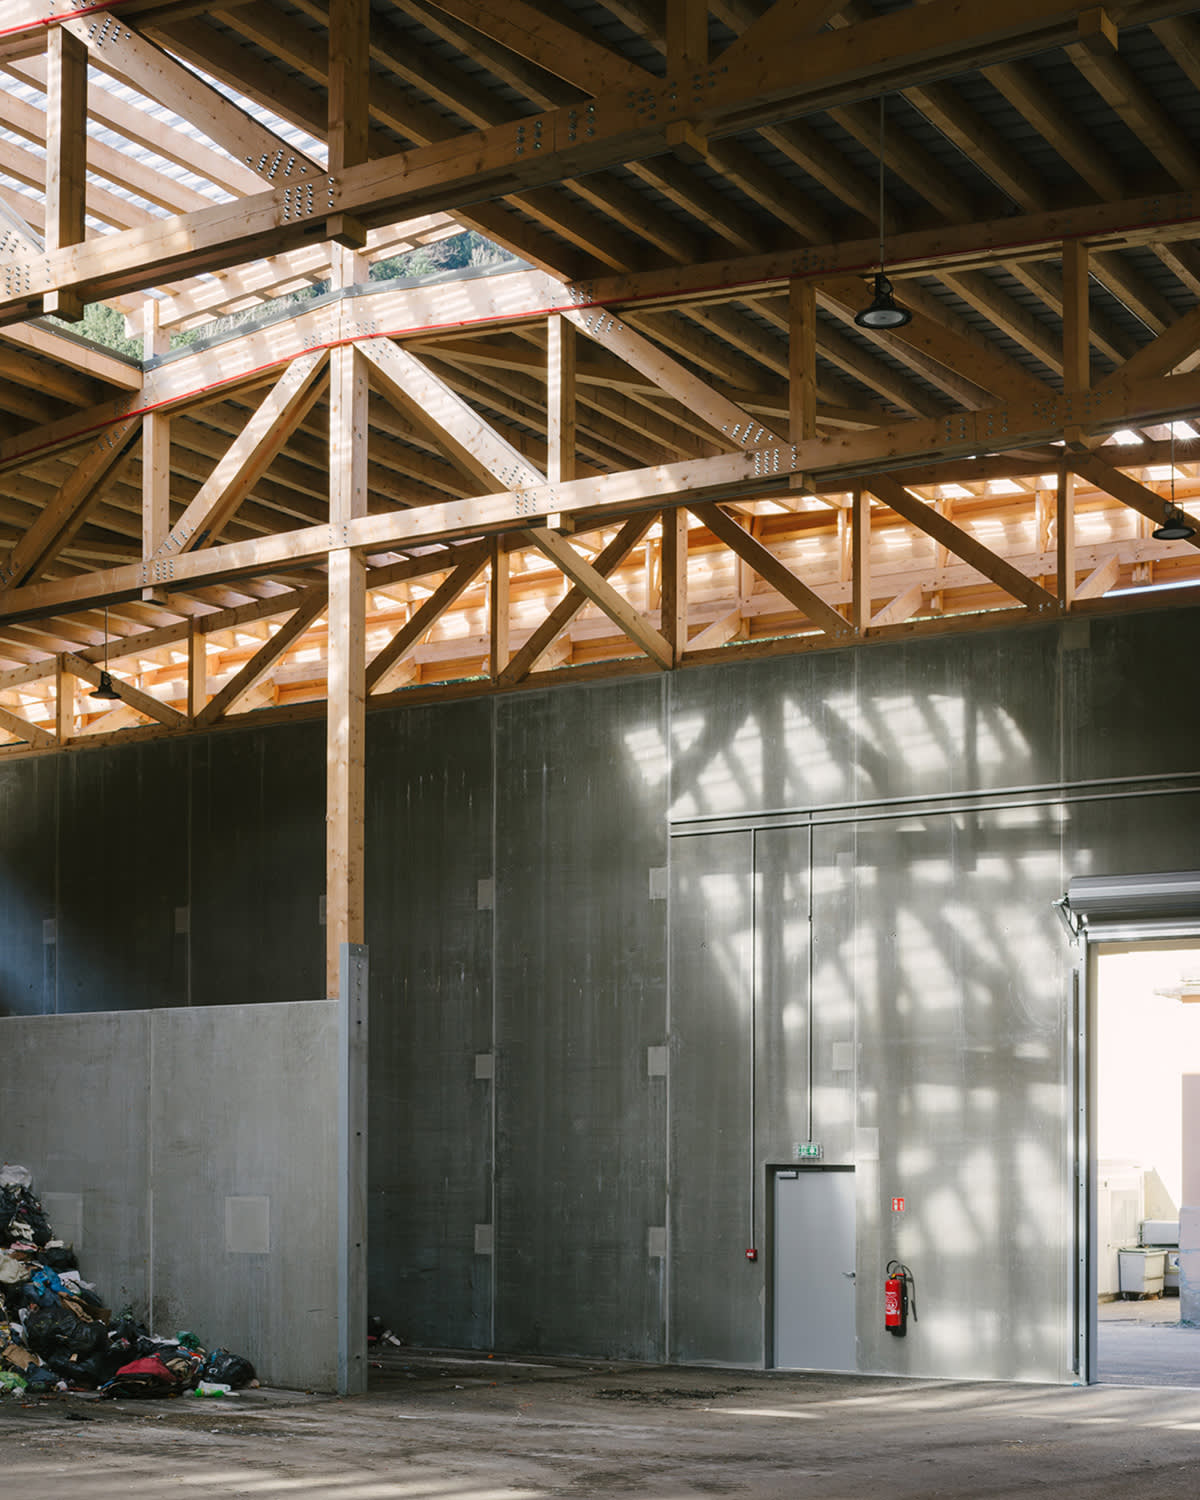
349 103
860 521
346 726
560 400
348 395
197 671
673 620
66 155
1065 538
498 609
347 435
64 704
346 734
156 450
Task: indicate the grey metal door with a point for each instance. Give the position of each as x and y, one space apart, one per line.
814 1269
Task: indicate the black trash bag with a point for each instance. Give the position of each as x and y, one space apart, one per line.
89 1370
60 1258
49 1330
224 1368
131 1337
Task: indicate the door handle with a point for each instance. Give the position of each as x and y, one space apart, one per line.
849 1275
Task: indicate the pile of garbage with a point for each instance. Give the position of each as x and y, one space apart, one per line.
57 1335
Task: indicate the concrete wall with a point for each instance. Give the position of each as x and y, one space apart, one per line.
162 875
191 1156
631 942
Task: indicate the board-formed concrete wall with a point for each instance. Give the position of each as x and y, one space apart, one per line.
632 942
191 1155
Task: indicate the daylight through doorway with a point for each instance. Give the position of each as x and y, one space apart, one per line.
1147 1040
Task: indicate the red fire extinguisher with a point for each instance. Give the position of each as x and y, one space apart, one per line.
899 1290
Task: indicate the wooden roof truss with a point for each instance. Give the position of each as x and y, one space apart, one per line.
655 438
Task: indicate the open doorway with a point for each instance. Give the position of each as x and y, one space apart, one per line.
1147 1041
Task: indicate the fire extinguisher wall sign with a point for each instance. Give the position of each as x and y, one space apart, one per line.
899 1293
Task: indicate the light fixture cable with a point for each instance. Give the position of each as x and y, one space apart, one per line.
882 170
104 688
883 312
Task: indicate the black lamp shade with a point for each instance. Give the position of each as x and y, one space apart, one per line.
105 689
1174 528
883 312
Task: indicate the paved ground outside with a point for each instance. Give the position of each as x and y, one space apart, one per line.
447 1427
1144 1343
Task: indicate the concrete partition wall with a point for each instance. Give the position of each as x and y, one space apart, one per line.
192 1155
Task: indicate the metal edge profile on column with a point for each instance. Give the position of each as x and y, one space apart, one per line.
352 1171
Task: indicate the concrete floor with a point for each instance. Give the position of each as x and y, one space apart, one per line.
459 1428
1144 1343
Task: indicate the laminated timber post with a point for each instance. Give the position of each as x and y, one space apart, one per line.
560 399
66 157
347 691
860 564
349 99
345 736
156 452
674 612
349 105
499 609
345 874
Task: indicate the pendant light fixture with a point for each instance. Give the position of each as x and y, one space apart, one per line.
883 313
104 688
1175 527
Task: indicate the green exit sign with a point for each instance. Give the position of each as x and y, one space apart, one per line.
809 1151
